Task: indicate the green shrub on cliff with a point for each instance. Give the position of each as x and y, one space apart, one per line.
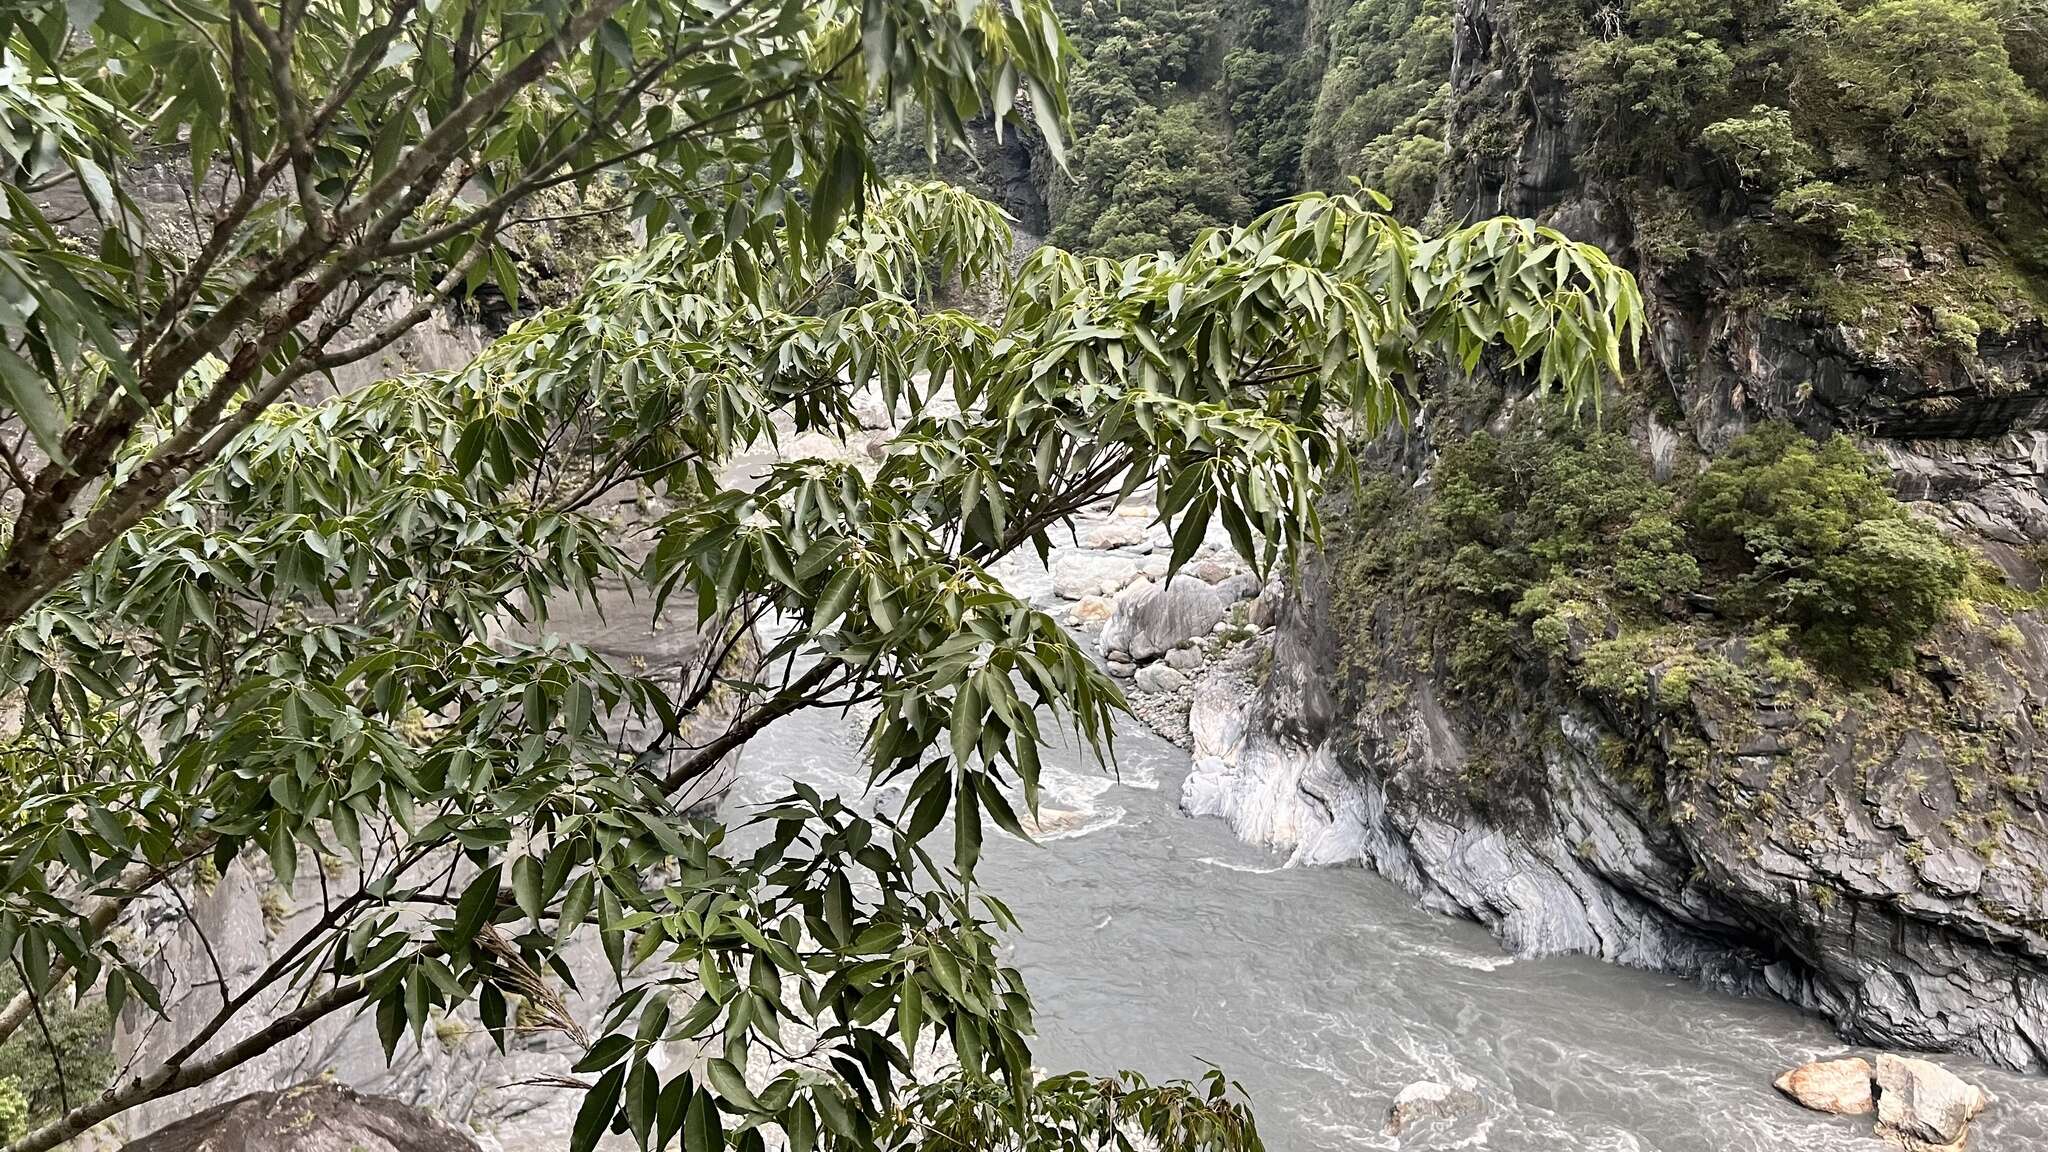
1867 163
1554 539
1762 148
1933 77
1809 535
1526 533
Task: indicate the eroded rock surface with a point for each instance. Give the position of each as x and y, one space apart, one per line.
1151 620
1923 1107
308 1118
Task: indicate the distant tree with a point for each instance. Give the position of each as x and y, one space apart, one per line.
1645 95
1935 76
1762 148
1817 540
1153 183
1266 90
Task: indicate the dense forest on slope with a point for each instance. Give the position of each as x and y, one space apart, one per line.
1796 155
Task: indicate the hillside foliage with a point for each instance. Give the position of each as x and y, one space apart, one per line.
1878 164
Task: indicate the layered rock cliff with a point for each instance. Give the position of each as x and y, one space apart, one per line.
1640 764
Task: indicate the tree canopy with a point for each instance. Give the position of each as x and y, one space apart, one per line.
240 625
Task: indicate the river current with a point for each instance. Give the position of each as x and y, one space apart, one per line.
1154 941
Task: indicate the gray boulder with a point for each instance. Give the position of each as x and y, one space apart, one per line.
1151 620
1123 532
1090 610
308 1118
1210 570
1241 586
1160 678
1426 1100
1923 1107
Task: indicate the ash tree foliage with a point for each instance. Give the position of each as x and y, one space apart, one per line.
315 634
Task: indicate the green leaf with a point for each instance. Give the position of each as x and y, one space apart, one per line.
30 396
730 1084
600 1104
608 1051
702 1129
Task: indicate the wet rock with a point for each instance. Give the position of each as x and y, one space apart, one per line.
1185 659
1152 619
1080 574
1123 532
1423 1100
308 1118
1091 610
1159 678
1923 1107
1838 1086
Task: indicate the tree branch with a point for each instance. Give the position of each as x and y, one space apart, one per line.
100 914
171 1078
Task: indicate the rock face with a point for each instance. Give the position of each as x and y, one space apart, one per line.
1153 619
308 1118
1887 883
1884 862
1838 1086
1923 1107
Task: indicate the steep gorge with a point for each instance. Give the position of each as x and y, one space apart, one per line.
1526 685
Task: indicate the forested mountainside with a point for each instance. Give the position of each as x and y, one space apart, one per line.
1744 673
1876 168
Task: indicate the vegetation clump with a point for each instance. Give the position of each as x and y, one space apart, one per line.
1552 540
1808 534
1534 533
1853 148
